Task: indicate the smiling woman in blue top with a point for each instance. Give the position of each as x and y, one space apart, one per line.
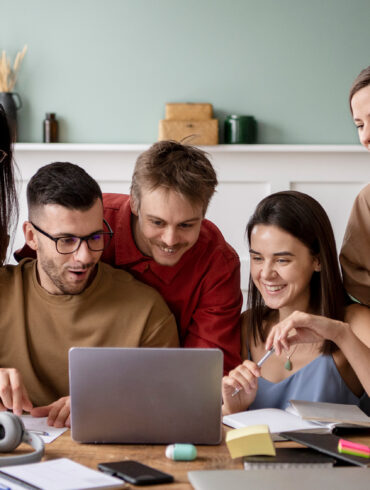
297 304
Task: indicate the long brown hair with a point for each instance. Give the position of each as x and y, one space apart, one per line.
8 195
304 218
362 80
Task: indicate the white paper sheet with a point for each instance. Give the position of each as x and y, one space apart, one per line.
39 426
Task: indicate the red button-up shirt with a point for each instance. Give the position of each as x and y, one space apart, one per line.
202 289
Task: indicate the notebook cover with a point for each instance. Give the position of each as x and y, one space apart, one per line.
337 413
290 457
327 444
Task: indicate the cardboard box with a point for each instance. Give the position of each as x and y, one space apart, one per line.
201 132
189 111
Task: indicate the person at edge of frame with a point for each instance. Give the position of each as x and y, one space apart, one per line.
355 253
8 196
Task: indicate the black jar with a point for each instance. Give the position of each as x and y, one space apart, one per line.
50 128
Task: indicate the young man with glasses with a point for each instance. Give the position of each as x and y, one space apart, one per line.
67 297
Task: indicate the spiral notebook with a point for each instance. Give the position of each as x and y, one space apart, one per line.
289 458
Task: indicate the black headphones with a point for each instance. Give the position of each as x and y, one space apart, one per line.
12 433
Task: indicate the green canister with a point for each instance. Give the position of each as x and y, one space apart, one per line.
240 129
181 452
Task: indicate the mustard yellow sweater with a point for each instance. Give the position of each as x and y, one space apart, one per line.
37 328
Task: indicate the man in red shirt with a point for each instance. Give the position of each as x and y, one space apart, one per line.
162 239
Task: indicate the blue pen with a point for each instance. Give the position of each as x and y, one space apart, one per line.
259 364
39 433
4 488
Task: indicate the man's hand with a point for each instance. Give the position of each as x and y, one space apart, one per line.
13 394
58 413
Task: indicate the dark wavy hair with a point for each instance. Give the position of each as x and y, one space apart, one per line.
8 197
62 183
304 218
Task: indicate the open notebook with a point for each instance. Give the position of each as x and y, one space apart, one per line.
314 417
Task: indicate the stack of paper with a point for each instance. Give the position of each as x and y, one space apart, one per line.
246 441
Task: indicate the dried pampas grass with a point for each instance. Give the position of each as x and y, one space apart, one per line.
8 75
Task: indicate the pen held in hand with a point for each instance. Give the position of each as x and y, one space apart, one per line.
259 364
266 356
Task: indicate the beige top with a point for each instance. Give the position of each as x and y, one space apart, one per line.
355 253
37 328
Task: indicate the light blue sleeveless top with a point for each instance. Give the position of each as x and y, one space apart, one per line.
318 381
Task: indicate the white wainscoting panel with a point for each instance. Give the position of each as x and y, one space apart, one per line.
331 174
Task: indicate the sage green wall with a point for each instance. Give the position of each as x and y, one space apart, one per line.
107 68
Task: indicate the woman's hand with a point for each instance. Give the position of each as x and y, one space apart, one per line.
301 328
242 382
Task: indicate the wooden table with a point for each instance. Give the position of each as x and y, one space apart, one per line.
209 457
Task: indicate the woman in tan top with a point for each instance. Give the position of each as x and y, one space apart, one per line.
355 254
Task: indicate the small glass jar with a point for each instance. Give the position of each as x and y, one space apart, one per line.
50 127
240 129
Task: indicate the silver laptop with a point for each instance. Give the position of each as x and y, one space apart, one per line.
145 395
281 479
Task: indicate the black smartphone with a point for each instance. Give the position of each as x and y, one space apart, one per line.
135 472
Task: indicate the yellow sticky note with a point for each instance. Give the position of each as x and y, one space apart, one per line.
250 441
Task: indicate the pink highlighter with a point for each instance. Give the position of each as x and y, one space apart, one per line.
353 448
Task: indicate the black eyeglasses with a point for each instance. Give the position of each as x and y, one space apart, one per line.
96 242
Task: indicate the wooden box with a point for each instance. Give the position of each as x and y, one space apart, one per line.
199 132
189 111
